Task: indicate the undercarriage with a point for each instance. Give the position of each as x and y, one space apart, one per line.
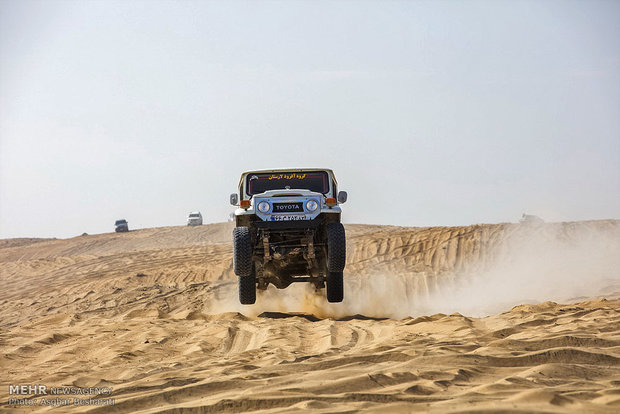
281 253
282 257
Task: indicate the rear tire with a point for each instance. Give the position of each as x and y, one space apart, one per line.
242 252
335 287
247 289
336 247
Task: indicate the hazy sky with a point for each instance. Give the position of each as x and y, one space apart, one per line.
429 112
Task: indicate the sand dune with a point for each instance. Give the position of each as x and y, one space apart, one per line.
506 317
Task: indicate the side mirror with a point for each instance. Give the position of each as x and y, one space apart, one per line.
342 196
234 199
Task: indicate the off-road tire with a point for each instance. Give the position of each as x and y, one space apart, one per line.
247 289
336 247
242 252
335 288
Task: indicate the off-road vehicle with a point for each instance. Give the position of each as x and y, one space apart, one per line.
194 219
288 230
121 226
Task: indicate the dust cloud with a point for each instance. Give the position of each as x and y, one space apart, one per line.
532 267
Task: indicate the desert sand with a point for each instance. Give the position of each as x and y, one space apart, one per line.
483 318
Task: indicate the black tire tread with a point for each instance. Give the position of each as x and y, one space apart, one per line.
242 251
247 290
335 287
336 247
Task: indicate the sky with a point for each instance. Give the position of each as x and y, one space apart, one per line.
430 113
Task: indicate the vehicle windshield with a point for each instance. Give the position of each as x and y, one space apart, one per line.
316 181
120 222
195 215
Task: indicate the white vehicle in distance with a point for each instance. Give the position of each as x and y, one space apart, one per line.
194 219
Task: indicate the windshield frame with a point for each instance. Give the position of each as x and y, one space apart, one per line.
326 180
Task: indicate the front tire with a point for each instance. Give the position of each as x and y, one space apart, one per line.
336 247
247 289
335 287
242 252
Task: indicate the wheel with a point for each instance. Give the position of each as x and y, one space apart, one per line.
247 289
335 289
242 251
336 247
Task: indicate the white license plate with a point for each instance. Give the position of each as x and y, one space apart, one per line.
287 218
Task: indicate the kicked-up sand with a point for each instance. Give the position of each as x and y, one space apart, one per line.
485 318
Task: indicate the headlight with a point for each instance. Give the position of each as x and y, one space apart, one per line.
263 207
311 205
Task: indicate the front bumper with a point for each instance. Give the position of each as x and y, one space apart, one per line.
288 225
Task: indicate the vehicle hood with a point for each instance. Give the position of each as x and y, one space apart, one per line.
288 193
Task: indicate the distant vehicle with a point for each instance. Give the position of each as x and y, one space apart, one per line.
194 219
288 230
121 226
